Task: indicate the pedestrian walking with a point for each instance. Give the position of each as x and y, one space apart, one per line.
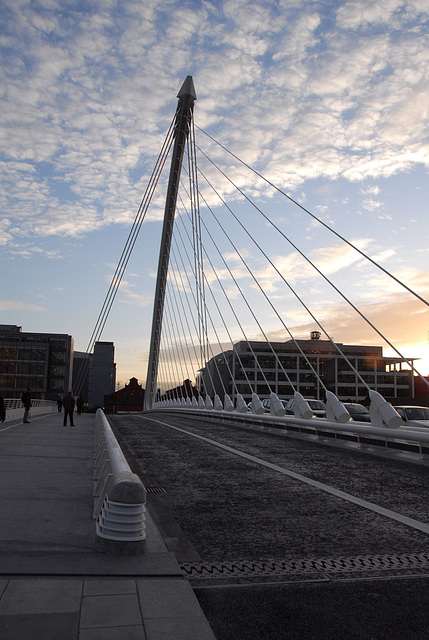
2 410
79 405
68 403
26 401
60 404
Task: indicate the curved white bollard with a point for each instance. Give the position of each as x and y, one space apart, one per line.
218 406
241 405
302 408
257 405
227 403
382 413
276 407
335 410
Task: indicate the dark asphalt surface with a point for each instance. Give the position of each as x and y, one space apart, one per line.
218 507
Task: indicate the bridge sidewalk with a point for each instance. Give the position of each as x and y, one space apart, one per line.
52 583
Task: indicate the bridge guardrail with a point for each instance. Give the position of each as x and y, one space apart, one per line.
15 408
391 439
119 495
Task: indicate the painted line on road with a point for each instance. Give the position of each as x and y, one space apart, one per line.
371 506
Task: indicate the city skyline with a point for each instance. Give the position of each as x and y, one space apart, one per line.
328 101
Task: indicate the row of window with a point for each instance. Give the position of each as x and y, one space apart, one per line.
295 362
310 378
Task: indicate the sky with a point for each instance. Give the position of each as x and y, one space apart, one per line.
327 100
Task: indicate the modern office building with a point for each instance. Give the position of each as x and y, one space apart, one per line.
94 374
302 365
41 361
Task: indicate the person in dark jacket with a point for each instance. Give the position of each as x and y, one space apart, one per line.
26 401
68 403
2 410
79 405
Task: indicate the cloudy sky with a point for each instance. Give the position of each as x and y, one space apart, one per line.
328 100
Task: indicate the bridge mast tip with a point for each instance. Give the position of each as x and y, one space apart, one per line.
187 88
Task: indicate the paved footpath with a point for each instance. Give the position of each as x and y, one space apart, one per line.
53 585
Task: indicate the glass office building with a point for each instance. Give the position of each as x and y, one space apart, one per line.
41 361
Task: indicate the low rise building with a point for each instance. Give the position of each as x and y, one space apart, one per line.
130 398
303 365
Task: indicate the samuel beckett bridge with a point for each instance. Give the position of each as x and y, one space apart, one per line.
220 337
235 434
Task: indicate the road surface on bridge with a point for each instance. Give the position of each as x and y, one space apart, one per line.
249 533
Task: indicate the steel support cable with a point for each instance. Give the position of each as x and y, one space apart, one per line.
257 282
195 245
213 325
221 315
164 379
183 308
210 318
197 274
173 298
209 315
296 295
259 286
132 237
236 316
193 180
126 253
173 341
314 267
251 311
169 360
362 253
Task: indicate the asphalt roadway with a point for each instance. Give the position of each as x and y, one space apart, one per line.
377 585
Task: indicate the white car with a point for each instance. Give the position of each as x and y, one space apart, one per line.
414 416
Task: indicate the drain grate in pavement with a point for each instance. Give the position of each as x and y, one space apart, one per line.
155 490
358 564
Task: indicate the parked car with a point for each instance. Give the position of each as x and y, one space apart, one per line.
266 403
357 411
414 416
317 406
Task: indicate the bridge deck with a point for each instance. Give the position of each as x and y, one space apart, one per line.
52 583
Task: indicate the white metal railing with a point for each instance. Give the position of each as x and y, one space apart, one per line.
384 430
120 497
15 408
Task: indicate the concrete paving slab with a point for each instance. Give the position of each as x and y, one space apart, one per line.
116 633
71 562
45 523
53 626
41 595
178 629
109 587
166 598
110 611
